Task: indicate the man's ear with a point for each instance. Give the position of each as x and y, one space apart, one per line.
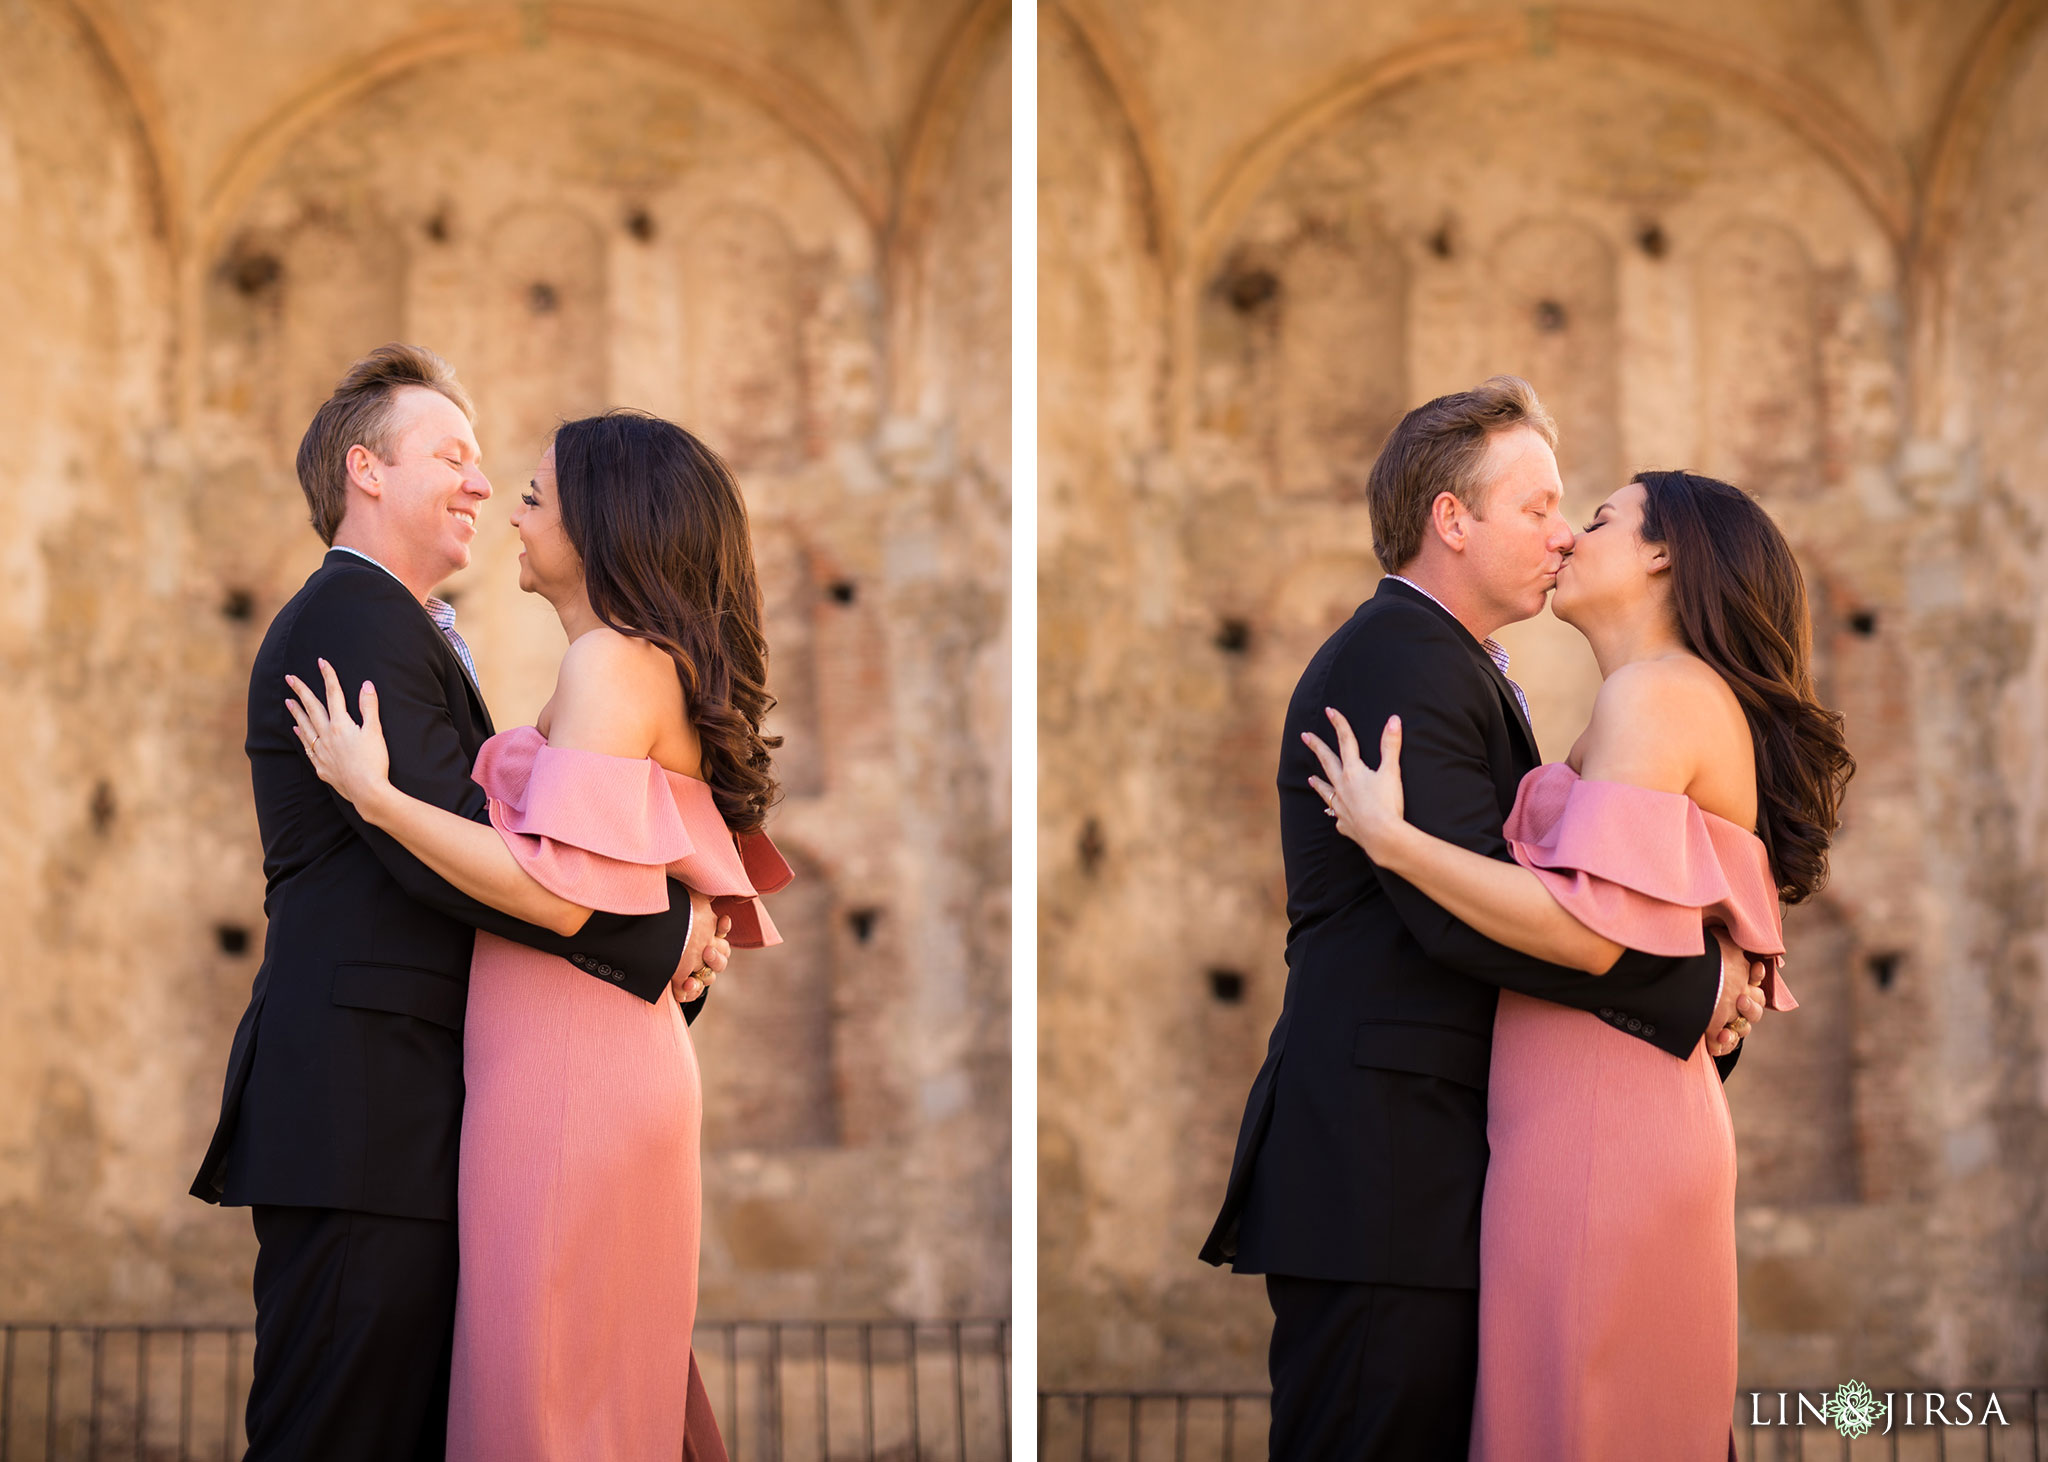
1447 520
365 471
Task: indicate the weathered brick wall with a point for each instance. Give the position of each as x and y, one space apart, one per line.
1268 234
782 225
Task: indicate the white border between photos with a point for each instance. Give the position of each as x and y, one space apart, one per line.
1024 729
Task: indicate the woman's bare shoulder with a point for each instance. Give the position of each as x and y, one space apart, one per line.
1656 722
612 694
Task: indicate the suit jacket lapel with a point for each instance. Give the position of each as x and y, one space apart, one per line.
1513 705
477 707
453 661
1510 703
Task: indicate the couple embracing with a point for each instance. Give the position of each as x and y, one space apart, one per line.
1487 1167
468 1040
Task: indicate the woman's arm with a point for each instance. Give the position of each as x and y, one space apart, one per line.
1503 901
1641 732
470 855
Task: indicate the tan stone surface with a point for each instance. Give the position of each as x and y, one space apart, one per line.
1796 245
783 224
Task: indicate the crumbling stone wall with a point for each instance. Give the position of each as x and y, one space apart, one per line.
702 216
1264 238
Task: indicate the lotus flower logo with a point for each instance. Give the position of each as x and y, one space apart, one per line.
1853 1409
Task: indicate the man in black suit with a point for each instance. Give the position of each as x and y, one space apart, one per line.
343 1100
1357 1181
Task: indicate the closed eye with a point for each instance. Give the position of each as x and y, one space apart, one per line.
529 499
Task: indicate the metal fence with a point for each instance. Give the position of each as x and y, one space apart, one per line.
783 1391
1230 1426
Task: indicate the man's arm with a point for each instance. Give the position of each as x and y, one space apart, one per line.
365 638
1450 793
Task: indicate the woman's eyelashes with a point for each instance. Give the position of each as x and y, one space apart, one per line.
529 499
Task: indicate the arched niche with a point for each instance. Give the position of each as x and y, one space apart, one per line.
1304 347
1755 310
790 598
964 278
744 318
1558 322
765 1041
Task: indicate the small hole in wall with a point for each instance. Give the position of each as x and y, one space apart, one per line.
541 297
254 273
1549 316
841 592
102 806
1234 636
436 227
238 605
1884 968
862 922
1652 241
1226 987
640 224
1440 242
232 938
1251 288
1091 849
1863 623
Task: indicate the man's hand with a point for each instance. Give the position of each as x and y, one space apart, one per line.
1742 998
706 953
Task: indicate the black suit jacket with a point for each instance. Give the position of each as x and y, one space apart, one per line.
344 1082
1362 1155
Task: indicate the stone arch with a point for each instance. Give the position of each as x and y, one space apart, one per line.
835 138
1872 169
130 78
956 80
1091 41
1952 180
848 154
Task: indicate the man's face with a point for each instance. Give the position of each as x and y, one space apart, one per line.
433 484
1513 553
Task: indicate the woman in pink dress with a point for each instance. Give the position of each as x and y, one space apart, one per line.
578 1208
1704 791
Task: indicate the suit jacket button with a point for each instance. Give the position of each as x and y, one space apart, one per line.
1634 1024
1607 1012
1648 1029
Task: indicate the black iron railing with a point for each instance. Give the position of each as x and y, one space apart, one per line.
783 1391
1230 1426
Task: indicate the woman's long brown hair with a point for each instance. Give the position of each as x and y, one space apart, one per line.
1741 606
667 558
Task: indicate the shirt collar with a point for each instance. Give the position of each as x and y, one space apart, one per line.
438 610
1495 651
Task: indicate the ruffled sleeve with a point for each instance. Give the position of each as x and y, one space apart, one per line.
607 832
597 830
1648 869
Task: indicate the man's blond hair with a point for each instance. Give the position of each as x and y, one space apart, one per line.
359 414
1440 447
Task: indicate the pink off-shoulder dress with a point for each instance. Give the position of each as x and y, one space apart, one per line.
578 1203
1607 1233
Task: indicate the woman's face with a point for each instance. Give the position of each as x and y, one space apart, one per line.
1610 570
548 564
